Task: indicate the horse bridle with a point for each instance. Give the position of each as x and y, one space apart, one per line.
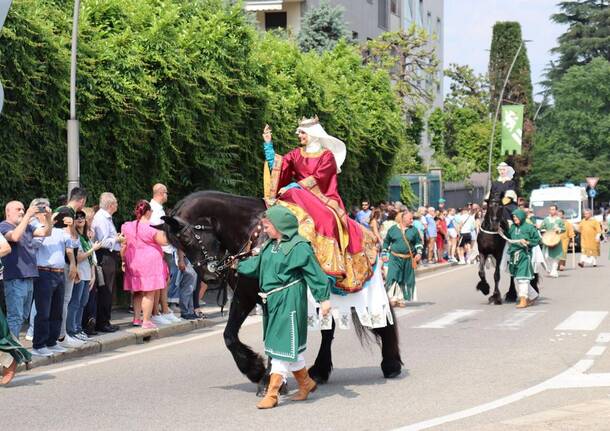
211 263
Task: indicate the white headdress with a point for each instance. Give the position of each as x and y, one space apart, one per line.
314 130
510 172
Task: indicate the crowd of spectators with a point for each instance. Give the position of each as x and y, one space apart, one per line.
65 265
449 234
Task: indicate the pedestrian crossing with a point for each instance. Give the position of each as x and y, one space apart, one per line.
493 318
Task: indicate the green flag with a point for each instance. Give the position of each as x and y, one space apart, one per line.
512 128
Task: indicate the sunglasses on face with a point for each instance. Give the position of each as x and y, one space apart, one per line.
79 218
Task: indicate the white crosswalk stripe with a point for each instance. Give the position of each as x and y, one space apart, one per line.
582 321
449 319
518 319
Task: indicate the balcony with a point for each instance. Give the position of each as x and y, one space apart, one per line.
271 14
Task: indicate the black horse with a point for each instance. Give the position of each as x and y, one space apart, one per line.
210 227
490 242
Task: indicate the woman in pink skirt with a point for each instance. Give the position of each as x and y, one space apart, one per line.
145 269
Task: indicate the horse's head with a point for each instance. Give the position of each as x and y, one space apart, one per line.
199 242
495 211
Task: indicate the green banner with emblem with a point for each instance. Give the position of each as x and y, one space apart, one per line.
512 129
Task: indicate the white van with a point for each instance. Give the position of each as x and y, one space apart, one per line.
571 199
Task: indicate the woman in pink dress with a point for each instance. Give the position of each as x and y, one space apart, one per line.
145 269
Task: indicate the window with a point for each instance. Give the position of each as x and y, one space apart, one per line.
394 7
420 14
275 20
383 14
429 24
439 29
354 35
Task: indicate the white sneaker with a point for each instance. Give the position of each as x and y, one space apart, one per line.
43 351
57 349
171 317
82 337
160 320
29 335
71 342
461 262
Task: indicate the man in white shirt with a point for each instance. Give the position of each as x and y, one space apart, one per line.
108 258
156 205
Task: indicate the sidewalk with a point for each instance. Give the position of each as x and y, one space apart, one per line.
128 335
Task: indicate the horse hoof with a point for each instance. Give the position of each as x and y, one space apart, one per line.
484 287
319 376
391 369
510 298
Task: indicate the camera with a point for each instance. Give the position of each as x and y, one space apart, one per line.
42 208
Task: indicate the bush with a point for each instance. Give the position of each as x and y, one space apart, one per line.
179 94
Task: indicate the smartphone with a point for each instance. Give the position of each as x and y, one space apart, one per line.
42 209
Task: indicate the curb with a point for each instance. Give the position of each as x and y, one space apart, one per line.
123 337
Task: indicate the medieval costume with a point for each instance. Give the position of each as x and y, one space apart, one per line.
305 181
403 244
590 238
520 265
11 352
566 238
285 269
553 254
505 187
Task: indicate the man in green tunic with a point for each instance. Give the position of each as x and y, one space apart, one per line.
405 247
11 352
524 237
285 268
553 254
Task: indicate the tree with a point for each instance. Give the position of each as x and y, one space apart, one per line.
587 36
322 27
178 94
460 132
574 139
410 60
505 43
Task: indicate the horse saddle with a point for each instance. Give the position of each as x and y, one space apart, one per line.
551 238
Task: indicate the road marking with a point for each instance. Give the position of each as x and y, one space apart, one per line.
596 351
451 318
252 320
518 318
582 321
573 377
604 337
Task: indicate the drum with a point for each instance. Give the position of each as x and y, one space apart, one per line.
551 238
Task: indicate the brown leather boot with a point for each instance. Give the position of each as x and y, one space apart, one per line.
9 373
306 385
271 399
522 302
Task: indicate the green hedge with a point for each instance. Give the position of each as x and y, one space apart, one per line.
178 92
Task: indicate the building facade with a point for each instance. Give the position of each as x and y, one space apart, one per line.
366 19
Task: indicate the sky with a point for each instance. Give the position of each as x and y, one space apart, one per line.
468 28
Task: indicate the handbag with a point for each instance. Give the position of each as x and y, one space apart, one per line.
99 276
413 262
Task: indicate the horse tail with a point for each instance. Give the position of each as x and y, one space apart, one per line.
365 336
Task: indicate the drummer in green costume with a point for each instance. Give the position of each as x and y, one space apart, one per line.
401 274
553 254
12 353
524 237
285 268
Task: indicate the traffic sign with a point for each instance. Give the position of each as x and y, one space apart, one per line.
592 193
592 181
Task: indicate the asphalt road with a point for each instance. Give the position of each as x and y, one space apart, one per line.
468 366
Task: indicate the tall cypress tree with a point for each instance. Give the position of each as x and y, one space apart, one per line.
506 40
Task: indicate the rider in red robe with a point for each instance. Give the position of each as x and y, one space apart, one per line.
305 181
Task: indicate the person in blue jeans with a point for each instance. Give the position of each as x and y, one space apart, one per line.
186 282
86 275
20 264
49 288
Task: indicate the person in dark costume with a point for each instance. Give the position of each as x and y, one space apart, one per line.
506 187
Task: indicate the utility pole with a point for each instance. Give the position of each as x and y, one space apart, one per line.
4 7
495 119
73 124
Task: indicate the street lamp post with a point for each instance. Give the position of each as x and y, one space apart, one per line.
4 7
495 119
73 124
